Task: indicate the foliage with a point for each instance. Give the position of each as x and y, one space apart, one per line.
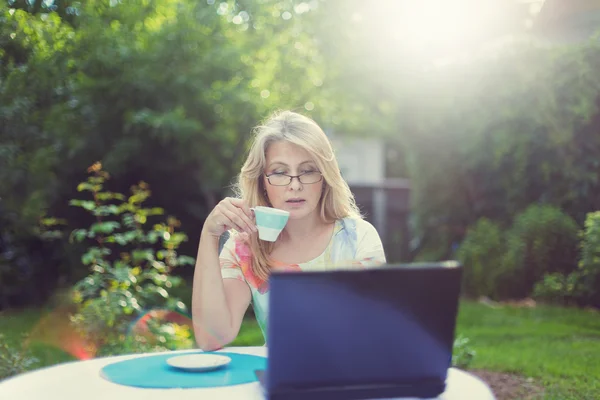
20 259
541 240
131 259
34 90
183 82
503 132
508 263
557 288
14 359
486 133
481 255
589 266
582 286
462 352
160 337
180 82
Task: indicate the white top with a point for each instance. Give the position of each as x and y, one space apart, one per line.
354 243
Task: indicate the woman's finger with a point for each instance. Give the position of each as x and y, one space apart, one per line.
245 236
249 224
235 221
241 204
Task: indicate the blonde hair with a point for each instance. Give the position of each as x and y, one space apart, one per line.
337 200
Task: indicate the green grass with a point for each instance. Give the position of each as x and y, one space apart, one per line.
250 334
558 347
13 325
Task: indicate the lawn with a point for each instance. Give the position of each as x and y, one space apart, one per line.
558 348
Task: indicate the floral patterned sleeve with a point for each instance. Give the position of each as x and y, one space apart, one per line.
230 262
369 251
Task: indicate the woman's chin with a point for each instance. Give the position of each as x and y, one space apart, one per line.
296 214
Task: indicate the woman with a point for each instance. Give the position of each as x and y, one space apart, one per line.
290 166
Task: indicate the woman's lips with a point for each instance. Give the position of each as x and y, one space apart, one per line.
295 202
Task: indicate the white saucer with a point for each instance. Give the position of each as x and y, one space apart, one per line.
198 362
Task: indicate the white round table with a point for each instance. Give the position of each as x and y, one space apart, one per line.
81 380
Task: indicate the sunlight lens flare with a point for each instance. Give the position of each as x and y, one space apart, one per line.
161 316
436 27
55 330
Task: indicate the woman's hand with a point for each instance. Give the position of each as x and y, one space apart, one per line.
230 213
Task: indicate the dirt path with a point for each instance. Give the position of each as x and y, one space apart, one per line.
509 386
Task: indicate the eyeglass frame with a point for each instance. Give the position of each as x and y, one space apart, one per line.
268 176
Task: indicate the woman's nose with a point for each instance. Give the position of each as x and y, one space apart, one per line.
295 184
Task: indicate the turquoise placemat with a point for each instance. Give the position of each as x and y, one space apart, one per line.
154 372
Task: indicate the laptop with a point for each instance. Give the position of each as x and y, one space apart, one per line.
361 333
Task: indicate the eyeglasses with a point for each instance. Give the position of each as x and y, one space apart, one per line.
307 178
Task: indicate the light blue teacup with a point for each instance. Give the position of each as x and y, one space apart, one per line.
270 222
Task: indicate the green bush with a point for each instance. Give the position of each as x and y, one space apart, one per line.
481 255
557 288
131 260
542 240
588 282
541 244
462 353
14 359
582 286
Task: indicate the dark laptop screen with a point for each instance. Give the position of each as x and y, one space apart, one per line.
377 326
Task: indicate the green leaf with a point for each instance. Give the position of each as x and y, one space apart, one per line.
86 204
159 279
86 186
185 260
159 266
142 255
79 234
176 239
128 221
152 236
156 211
52 221
175 281
105 227
88 258
110 196
120 239
110 209
121 274
131 236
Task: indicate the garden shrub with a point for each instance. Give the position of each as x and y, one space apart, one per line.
582 286
131 256
542 240
481 254
14 359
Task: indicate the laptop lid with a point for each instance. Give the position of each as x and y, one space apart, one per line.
387 326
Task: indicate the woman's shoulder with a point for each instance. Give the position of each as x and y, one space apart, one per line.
356 226
356 239
354 232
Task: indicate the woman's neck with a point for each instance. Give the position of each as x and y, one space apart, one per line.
296 230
